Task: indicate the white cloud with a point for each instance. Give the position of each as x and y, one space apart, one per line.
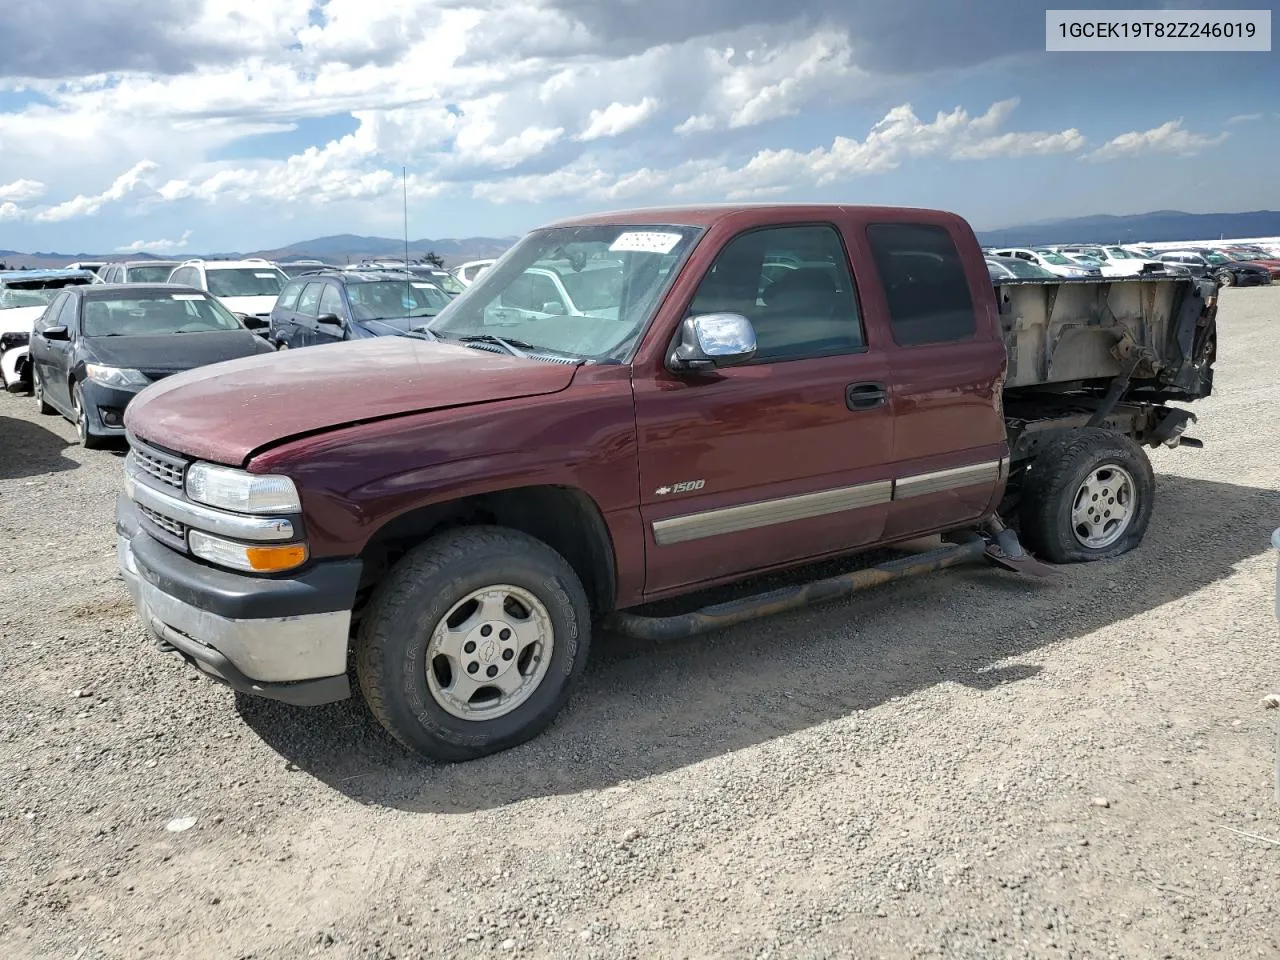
698 123
1167 138
11 211
618 118
84 206
155 246
898 137
1244 118
21 190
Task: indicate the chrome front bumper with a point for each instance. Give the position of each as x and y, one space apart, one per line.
299 658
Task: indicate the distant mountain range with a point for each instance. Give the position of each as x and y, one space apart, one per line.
341 249
1156 227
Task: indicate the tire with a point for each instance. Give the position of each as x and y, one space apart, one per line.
1226 278
87 439
405 684
1063 522
282 346
37 388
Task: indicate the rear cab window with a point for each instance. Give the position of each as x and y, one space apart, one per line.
925 285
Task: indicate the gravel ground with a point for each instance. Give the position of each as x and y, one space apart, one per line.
968 765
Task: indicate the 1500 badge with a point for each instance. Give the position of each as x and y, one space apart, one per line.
685 486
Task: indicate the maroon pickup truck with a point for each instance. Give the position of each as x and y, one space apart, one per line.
630 408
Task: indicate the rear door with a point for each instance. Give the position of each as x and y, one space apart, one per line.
946 365
779 460
282 313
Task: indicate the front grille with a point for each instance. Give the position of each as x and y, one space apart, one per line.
167 524
166 469
14 338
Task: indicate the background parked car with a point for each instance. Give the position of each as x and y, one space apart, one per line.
24 294
1218 267
248 288
138 271
466 273
1055 263
1114 261
1255 257
96 345
296 268
93 266
333 305
1012 268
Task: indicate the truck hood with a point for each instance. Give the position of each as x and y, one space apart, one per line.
252 306
19 319
226 412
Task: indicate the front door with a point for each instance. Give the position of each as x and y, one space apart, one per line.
331 305
781 459
50 358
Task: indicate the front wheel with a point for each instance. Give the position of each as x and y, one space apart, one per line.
83 434
1225 278
1087 497
37 387
473 643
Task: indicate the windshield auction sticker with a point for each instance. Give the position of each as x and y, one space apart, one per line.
645 241
1162 31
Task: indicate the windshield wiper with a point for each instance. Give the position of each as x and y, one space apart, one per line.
514 347
421 333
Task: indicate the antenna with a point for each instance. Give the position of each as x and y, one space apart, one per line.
408 291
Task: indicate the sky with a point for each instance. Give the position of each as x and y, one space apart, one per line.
221 125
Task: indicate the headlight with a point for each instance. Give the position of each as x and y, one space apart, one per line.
114 376
251 557
241 491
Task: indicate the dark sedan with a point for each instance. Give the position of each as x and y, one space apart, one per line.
332 305
97 345
1215 266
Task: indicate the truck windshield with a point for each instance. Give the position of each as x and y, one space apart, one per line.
586 291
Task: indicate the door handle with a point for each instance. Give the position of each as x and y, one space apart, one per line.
864 396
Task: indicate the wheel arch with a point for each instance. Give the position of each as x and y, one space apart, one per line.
565 518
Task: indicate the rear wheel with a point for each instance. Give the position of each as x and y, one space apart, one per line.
1087 497
282 345
1225 278
473 643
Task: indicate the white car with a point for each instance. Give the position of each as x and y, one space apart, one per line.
1115 261
467 272
248 288
1052 261
24 294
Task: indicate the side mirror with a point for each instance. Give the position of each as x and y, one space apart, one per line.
56 333
554 308
714 340
331 319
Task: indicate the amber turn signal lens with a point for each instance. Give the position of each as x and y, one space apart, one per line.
270 559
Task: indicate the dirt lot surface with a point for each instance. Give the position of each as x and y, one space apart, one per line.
969 765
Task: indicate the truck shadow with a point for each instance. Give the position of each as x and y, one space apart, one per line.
31 450
647 708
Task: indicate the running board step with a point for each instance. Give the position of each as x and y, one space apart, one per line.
732 612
